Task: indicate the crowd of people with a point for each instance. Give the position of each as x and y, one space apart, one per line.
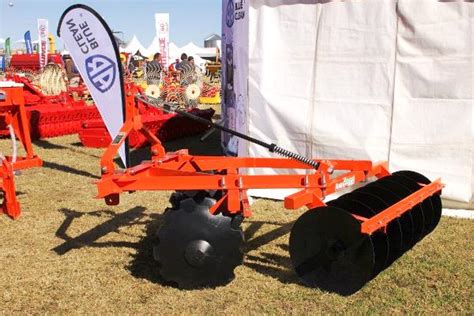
153 70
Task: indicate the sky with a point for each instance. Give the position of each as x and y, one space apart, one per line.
190 20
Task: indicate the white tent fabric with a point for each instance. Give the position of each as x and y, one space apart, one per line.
174 51
154 46
199 51
357 80
135 46
433 110
190 49
312 73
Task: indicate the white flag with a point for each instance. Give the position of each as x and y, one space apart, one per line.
162 21
94 51
43 42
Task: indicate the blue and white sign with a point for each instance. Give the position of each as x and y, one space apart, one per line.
2 63
235 70
101 72
90 43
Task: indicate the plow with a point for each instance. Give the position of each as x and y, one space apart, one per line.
337 246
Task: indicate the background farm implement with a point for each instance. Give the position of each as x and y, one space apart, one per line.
16 124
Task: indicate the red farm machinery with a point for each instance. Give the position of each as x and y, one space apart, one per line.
337 246
71 111
13 114
55 115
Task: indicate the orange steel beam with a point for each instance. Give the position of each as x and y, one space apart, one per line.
10 205
386 216
147 176
181 171
12 109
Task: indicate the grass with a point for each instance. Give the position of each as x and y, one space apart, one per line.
70 253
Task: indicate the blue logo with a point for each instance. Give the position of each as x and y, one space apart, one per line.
230 14
101 72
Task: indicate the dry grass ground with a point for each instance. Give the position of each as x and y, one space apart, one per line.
70 253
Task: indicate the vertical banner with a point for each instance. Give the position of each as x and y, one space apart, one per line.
29 45
2 63
162 21
52 44
43 42
95 53
235 63
8 52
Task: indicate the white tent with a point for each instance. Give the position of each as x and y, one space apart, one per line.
377 79
202 52
135 46
174 51
189 49
154 46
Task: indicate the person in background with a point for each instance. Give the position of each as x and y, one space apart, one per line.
153 70
191 63
183 63
187 70
172 67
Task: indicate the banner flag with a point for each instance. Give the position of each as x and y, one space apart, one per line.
8 52
29 45
2 63
162 21
43 42
95 53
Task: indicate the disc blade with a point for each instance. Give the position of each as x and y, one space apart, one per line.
395 194
426 210
395 235
434 199
415 212
378 238
198 249
328 250
393 231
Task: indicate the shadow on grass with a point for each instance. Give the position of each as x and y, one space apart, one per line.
269 264
89 238
257 242
48 145
77 144
143 265
67 169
